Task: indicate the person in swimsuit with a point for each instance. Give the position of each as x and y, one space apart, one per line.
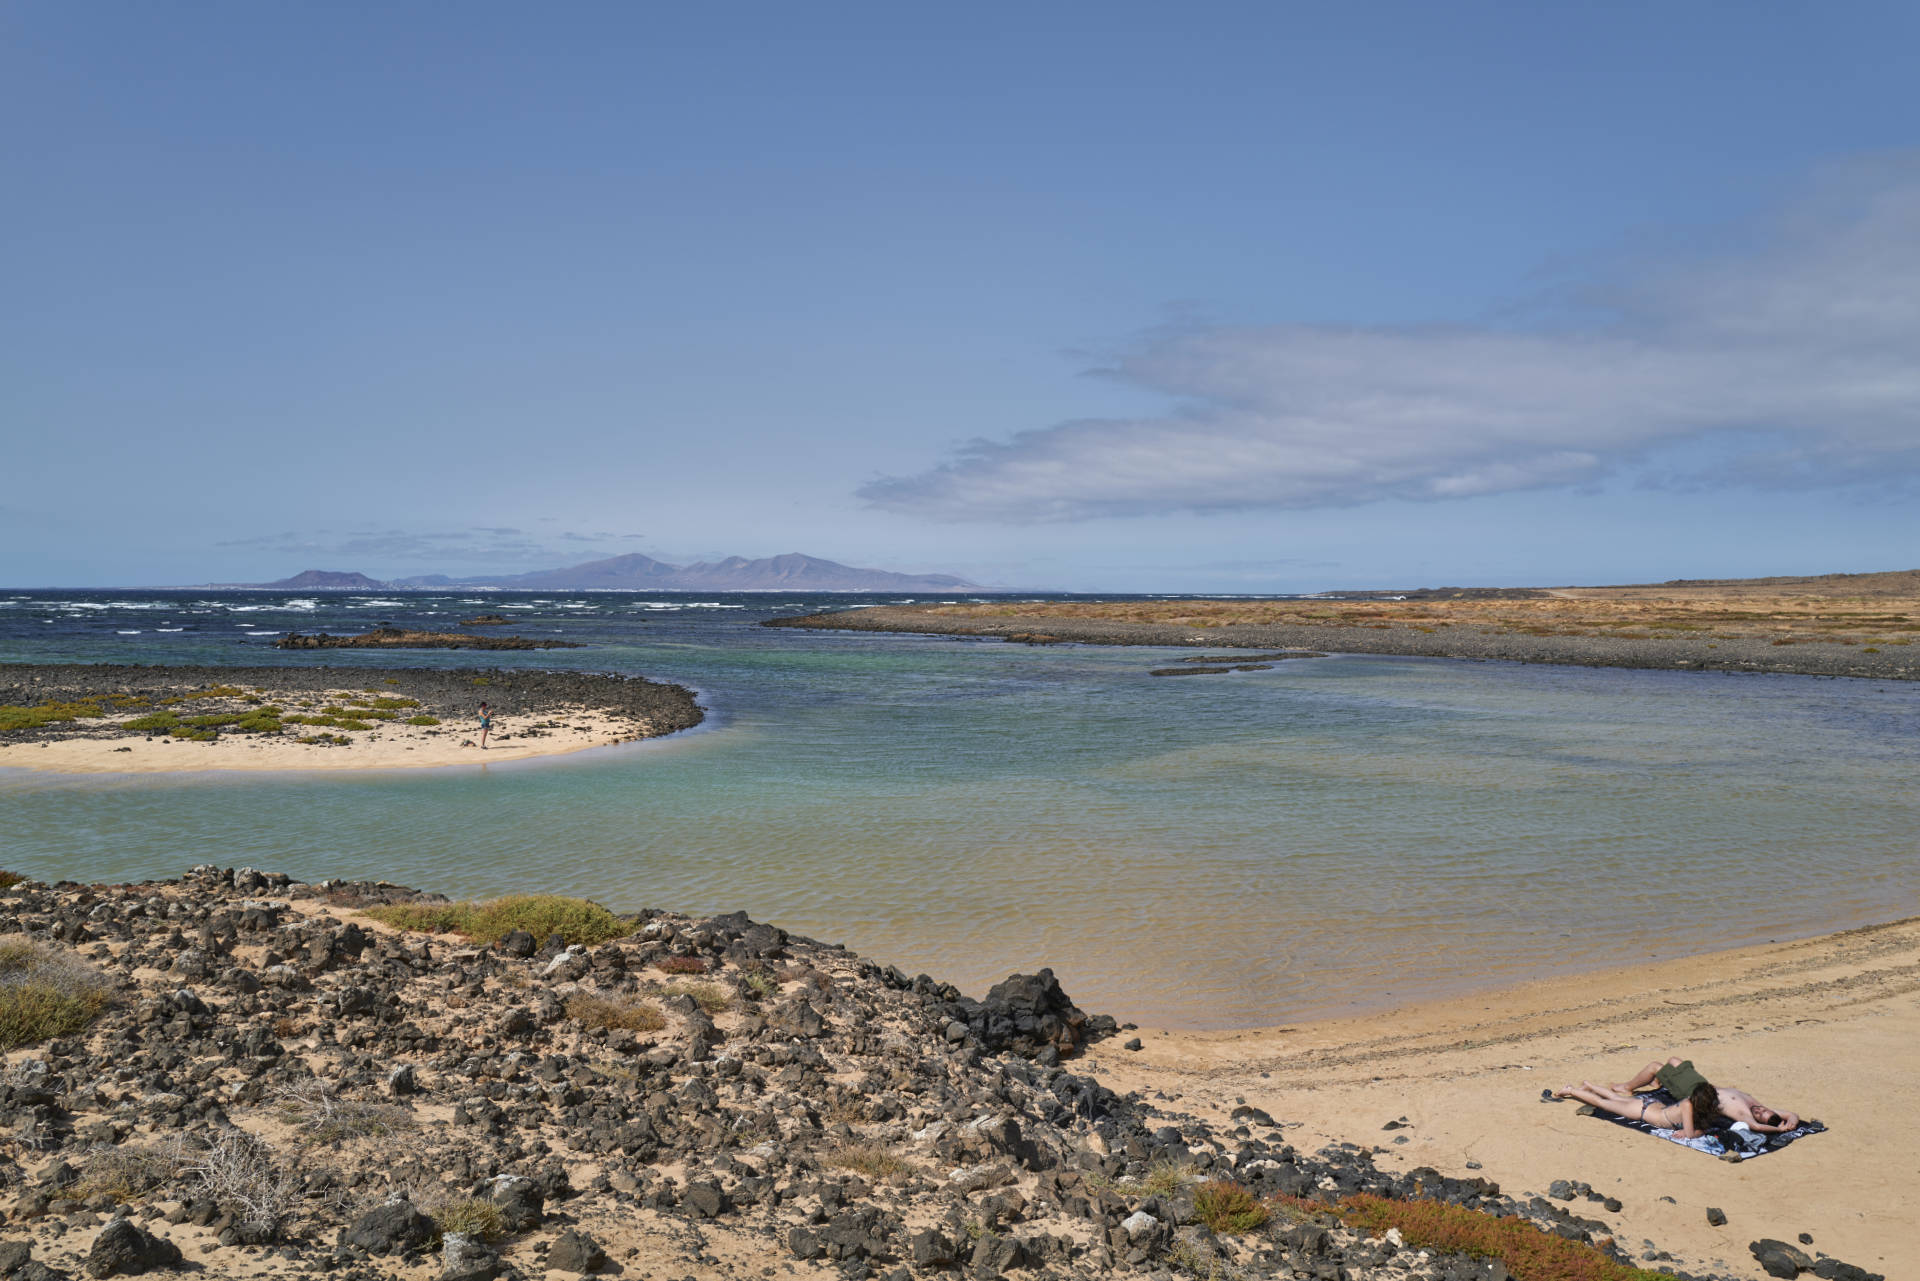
486 723
1688 1119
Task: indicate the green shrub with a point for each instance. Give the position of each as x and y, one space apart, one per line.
611 1013
9 879
758 983
1228 1208
576 920
45 993
711 997
322 1116
423 720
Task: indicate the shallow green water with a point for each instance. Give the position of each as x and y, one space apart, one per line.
1211 851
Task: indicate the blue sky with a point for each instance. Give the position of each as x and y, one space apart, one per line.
1216 297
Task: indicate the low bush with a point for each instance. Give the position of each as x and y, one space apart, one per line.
246 1177
423 720
1530 1253
9 879
1166 1177
1228 1208
611 1012
680 965
314 1108
575 920
45 993
758 983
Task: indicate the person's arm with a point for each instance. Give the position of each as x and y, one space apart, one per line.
1686 1130
1786 1121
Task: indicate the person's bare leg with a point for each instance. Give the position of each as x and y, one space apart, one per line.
1645 1076
1629 1107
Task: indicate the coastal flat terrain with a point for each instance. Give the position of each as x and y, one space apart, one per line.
1832 625
139 720
1825 1027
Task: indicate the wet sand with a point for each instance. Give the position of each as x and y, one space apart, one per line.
1826 1027
533 714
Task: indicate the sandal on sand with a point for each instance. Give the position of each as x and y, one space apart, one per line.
1587 1109
1548 1096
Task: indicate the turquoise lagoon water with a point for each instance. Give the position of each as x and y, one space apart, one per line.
1333 835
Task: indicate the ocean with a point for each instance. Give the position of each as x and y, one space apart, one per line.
1332 836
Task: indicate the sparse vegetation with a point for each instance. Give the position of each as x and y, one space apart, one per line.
128 1173
576 920
14 718
711 997
1228 1208
45 993
9 879
758 983
614 1012
1530 1253
423 720
680 965
322 1116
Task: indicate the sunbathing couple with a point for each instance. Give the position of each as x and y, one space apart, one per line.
1701 1105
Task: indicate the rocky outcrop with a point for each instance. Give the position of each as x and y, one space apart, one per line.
407 638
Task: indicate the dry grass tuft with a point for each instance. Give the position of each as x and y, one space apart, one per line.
615 1012
470 1216
45 993
247 1178
129 1173
875 1161
680 965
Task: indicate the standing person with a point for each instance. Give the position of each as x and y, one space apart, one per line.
486 723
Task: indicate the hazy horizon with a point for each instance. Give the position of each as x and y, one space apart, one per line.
1245 300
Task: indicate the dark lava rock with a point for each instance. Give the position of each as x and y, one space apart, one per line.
1716 1216
1778 1259
464 1258
13 1255
520 1200
390 1229
1029 1013
122 1249
575 1251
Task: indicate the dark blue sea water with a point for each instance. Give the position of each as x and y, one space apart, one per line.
1331 835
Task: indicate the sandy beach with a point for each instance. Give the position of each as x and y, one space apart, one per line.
321 718
1825 1026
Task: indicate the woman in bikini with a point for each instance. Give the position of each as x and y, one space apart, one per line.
1688 1118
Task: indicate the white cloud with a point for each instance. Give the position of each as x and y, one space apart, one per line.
1792 353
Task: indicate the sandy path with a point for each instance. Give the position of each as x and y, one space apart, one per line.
1829 1027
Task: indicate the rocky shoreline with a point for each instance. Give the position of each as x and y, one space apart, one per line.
1738 654
278 1085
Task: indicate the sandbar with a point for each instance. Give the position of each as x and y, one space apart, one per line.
324 718
1858 625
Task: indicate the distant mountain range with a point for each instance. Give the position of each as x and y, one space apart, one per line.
792 572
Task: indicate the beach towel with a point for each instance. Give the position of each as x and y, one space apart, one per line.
1736 1144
